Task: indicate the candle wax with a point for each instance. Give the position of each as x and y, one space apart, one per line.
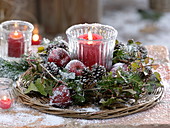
5 103
15 44
90 51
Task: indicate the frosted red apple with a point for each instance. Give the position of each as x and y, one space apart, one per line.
59 56
61 96
75 66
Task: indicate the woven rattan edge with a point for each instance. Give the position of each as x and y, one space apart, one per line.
103 114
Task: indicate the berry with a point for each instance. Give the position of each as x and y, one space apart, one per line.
117 66
61 96
59 56
75 66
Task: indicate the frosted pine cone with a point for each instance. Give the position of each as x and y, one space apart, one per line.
87 79
57 44
98 71
52 68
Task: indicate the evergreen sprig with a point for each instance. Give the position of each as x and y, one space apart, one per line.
13 69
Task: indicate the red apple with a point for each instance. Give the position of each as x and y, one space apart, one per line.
59 56
75 66
61 96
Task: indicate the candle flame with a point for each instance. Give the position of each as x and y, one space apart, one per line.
4 97
90 37
35 37
16 33
36 30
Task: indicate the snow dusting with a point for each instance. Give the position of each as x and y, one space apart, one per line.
20 116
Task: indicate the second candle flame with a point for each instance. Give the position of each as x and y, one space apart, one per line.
90 37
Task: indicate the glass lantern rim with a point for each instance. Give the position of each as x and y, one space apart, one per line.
5 23
68 31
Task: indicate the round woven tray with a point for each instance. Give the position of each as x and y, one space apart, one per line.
147 101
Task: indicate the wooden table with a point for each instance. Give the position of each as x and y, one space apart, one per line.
159 116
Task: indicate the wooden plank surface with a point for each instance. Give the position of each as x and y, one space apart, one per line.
58 15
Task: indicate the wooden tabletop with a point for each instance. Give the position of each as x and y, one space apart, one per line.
21 116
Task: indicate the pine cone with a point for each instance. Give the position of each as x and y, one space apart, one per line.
43 57
57 44
90 77
98 71
52 68
143 51
51 47
87 79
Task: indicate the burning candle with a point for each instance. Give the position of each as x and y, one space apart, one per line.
15 44
92 47
5 103
90 50
36 38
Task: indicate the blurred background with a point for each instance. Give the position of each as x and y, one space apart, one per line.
146 21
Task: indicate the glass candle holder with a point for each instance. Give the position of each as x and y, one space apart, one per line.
92 43
6 95
15 38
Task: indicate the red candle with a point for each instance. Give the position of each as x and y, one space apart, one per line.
36 39
15 44
90 51
5 103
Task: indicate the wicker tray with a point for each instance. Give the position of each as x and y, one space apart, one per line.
147 101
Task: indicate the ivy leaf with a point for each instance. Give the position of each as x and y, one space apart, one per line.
78 99
138 43
130 42
157 75
134 66
39 68
48 90
130 90
147 60
40 87
31 87
49 84
108 102
27 77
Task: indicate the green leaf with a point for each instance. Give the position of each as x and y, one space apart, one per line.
134 66
108 102
48 90
31 87
130 42
40 87
157 75
27 77
116 42
146 60
130 90
138 43
78 99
